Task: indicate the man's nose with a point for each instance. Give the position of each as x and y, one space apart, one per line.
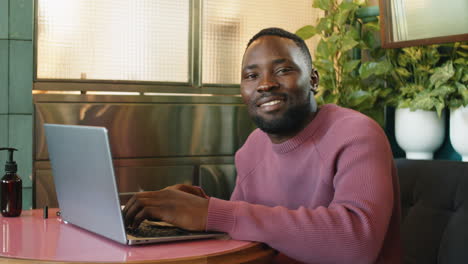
267 84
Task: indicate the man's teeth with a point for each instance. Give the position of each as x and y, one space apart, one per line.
272 103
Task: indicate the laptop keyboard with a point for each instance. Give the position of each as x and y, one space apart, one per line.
155 229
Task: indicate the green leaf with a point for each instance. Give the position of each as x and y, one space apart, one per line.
403 60
439 108
458 72
414 54
461 61
325 65
326 82
341 18
463 54
349 66
374 68
403 72
323 4
442 74
325 25
404 104
348 42
411 91
344 10
463 92
423 103
465 77
306 32
347 6
331 98
333 47
367 69
461 87
378 114
385 92
322 49
455 103
358 97
423 72
372 26
432 55
333 39
369 39
353 32
443 91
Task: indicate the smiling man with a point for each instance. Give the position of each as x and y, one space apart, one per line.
317 184
276 85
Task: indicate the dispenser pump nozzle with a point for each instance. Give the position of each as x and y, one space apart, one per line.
10 166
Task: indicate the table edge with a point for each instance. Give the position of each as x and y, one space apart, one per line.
254 252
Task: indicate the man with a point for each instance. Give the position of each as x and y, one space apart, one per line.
318 185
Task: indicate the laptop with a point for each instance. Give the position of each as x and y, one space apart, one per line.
86 187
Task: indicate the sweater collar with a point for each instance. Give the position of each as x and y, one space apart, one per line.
304 134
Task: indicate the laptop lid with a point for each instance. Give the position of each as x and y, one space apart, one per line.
86 188
84 179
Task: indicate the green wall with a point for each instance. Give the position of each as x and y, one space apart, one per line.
16 75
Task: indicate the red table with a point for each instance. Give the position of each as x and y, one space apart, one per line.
32 239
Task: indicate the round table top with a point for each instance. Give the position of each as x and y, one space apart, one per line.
31 237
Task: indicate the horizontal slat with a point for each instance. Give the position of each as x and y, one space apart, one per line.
153 130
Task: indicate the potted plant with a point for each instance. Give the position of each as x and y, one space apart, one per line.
420 77
345 79
457 56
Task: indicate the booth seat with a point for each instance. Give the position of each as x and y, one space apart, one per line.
434 198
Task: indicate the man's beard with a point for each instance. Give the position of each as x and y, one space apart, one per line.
291 121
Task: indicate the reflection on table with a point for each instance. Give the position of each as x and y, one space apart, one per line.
30 237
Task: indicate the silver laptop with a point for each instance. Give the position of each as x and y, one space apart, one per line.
87 191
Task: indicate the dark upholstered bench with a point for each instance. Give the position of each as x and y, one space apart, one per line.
434 197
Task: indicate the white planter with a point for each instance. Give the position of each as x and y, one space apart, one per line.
459 131
419 133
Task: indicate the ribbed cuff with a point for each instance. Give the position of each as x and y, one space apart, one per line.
221 215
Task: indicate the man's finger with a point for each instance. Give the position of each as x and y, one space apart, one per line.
128 205
139 218
133 210
140 204
195 190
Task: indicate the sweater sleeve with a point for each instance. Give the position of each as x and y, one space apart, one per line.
351 229
237 193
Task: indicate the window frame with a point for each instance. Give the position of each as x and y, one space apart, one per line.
193 86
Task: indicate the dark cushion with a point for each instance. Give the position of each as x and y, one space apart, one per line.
434 198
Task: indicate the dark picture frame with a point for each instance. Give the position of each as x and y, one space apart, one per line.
387 37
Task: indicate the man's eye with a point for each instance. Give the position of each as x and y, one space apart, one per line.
250 76
283 70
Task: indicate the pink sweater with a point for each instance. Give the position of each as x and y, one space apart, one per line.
328 195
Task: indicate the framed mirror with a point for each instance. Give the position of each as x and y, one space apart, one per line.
406 23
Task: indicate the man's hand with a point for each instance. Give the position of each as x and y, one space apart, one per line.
189 189
171 205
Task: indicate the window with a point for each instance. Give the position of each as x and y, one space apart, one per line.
228 26
142 40
164 41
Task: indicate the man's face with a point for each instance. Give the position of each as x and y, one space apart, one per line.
276 85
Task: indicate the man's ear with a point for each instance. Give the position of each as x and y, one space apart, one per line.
314 80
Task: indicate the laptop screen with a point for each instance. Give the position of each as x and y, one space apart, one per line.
84 179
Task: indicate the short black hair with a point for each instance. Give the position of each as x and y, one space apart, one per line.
279 32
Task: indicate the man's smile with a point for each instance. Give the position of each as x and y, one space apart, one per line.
271 103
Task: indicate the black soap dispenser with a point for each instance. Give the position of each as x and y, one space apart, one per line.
11 188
